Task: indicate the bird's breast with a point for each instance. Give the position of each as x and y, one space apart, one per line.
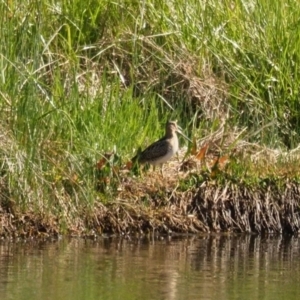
172 148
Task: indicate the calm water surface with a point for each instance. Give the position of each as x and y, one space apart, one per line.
211 267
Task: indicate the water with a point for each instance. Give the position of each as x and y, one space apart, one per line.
209 267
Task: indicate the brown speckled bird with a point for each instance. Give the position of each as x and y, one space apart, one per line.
162 150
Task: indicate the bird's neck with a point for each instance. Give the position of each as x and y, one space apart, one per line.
170 133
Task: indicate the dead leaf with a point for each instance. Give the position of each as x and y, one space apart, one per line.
129 165
201 154
101 163
223 160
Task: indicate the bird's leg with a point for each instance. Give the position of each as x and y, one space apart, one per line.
161 170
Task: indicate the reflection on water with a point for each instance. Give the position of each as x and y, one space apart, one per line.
210 267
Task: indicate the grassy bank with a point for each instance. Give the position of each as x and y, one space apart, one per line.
83 85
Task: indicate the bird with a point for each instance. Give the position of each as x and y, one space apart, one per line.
163 149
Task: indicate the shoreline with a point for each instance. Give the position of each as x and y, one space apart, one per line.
208 207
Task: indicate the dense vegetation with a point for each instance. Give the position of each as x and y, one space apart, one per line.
84 84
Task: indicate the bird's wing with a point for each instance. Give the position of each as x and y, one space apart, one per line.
156 150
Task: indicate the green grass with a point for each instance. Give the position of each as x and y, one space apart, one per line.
82 78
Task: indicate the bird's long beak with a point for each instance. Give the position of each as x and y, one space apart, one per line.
179 130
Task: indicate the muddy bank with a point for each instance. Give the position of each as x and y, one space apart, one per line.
150 206
210 207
